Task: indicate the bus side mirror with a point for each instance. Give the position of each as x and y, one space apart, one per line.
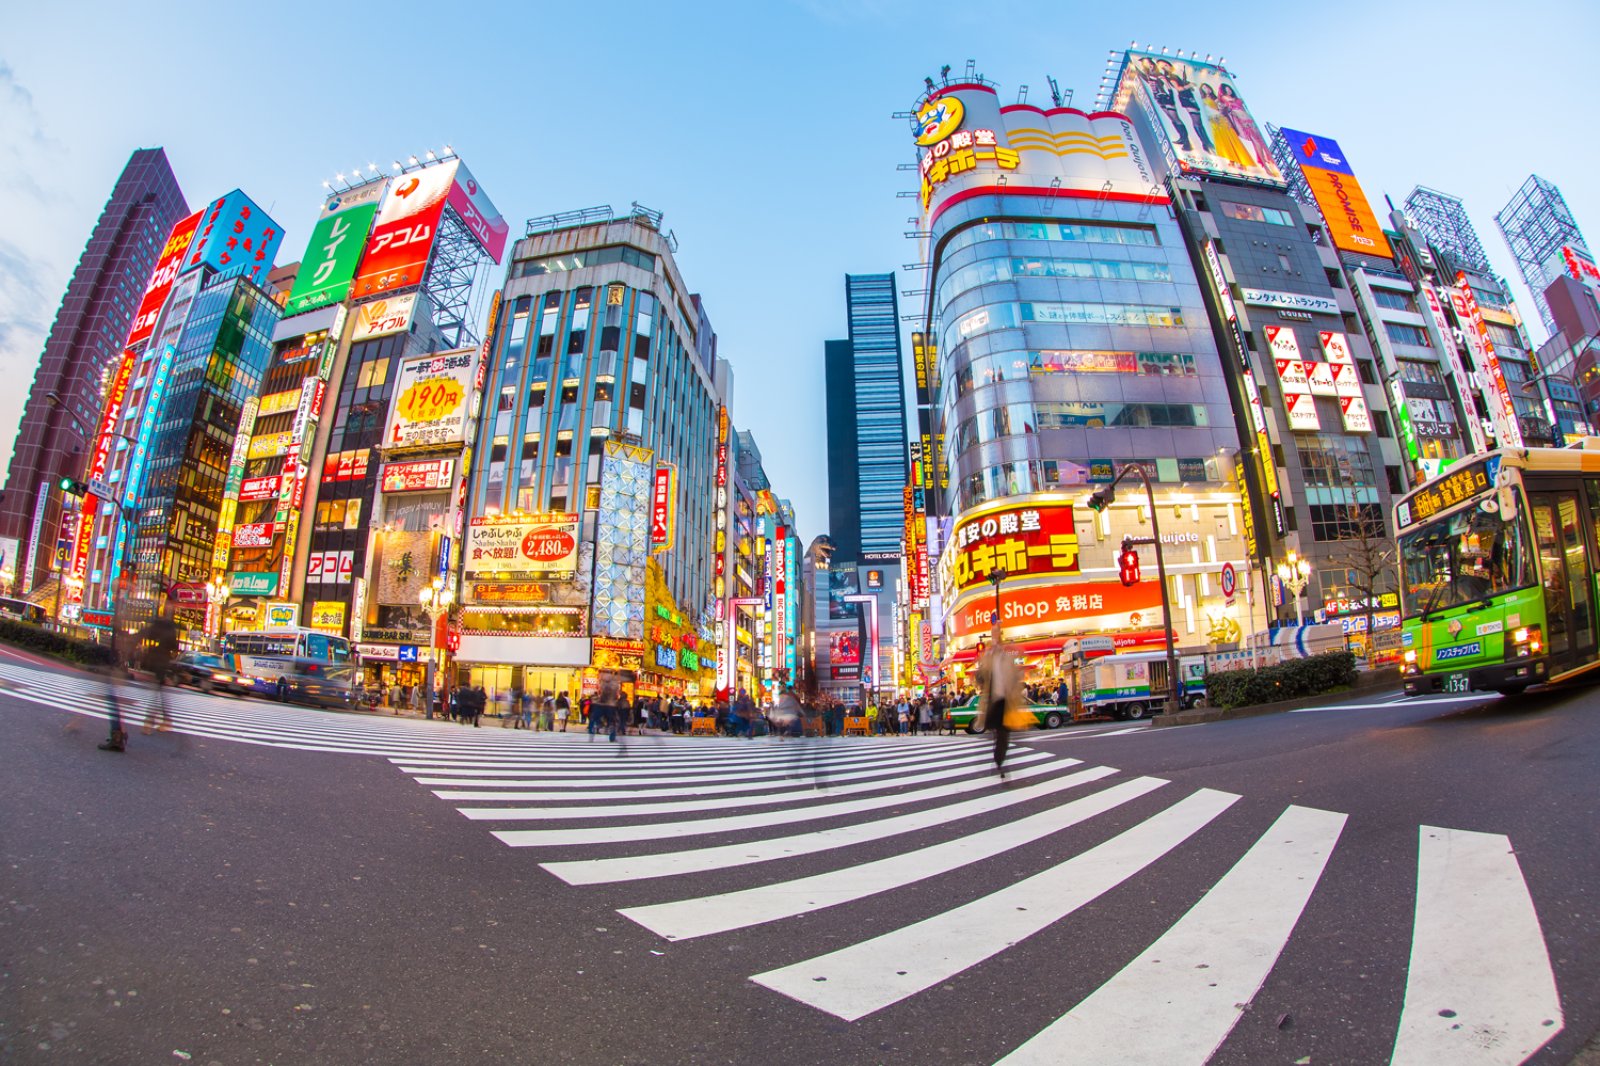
1508 503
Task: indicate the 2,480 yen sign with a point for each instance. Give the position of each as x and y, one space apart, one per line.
428 401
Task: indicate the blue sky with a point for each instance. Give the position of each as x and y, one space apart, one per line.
761 130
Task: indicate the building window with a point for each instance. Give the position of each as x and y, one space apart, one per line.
1401 333
1394 301
1252 213
1344 521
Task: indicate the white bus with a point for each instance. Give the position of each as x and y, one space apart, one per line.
298 665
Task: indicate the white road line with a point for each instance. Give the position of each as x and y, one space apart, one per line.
612 834
554 767
873 974
1201 974
798 777
1407 702
1120 732
703 915
699 860
797 792
1479 990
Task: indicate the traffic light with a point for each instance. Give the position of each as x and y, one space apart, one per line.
1102 497
1128 563
74 487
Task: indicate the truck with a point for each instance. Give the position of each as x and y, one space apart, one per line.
1133 684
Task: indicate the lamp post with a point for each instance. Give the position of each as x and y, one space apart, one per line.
217 593
995 578
1098 501
1295 573
436 600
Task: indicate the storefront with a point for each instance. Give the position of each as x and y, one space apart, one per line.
389 669
508 664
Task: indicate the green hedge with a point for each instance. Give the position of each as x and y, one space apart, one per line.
1287 680
46 642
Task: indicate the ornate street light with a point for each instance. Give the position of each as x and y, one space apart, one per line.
1295 573
436 600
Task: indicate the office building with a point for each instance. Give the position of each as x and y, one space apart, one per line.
83 348
1545 241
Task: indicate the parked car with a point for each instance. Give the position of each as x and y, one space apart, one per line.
208 671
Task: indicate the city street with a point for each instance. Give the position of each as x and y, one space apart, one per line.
1367 882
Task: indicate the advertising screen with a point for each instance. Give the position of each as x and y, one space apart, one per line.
1351 223
168 266
431 399
402 239
235 233
335 247
1200 115
541 546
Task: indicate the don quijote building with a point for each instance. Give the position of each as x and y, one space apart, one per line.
1069 338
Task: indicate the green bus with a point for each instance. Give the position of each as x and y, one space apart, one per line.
1497 584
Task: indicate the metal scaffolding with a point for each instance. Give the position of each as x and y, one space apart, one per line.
453 271
1442 218
1536 225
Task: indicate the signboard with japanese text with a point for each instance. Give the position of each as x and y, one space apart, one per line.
511 548
1084 606
267 445
663 506
235 234
1507 428
1351 223
478 213
1353 410
1290 301
392 314
1461 483
403 235
328 614
418 477
281 615
431 399
335 247
260 488
1301 409
168 266
1025 537
254 534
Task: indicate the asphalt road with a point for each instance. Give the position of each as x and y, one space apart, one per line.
1375 882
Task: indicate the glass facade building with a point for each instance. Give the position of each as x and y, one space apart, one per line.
1545 240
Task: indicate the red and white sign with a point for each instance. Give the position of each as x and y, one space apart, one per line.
347 563
402 238
478 213
168 266
1282 342
1505 416
1302 411
1320 378
260 488
1355 414
1346 381
418 477
544 546
1335 346
314 566
254 534
383 317
110 416
1292 375
663 506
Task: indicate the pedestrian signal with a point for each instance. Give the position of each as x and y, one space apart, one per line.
1128 563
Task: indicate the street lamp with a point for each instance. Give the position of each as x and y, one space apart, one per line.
217 593
1103 497
436 600
1295 573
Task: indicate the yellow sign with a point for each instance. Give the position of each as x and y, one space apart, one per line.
960 153
938 119
327 614
268 445
431 399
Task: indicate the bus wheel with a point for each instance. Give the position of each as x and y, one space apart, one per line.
1134 712
1053 720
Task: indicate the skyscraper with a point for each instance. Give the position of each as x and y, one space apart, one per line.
86 341
1544 239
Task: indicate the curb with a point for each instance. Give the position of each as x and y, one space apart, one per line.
1366 684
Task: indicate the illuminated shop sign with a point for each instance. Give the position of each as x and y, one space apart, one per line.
1462 483
951 150
1477 331
1023 539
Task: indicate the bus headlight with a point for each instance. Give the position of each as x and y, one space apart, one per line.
1527 640
1410 655
1520 636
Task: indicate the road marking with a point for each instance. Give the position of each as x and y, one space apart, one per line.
703 915
869 976
528 838
1409 701
1479 990
1201 974
700 860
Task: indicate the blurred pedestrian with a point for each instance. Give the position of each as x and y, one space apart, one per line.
158 641
999 690
563 711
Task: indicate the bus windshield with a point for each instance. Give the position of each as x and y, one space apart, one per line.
1463 558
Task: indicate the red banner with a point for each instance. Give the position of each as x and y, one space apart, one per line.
1023 539
167 269
260 488
407 223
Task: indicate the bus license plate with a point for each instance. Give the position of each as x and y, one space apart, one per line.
1457 683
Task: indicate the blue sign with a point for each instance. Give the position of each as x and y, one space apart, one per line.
1314 150
235 234
408 653
666 657
444 556
1460 651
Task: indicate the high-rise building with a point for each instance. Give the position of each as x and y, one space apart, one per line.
599 432
1444 222
1300 374
1545 241
84 345
1072 344
158 472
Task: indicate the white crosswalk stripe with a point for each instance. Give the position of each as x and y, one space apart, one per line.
819 826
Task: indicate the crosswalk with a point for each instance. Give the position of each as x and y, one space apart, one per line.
702 839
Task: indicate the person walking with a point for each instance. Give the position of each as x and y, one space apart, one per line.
609 703
159 641
563 711
999 690
925 715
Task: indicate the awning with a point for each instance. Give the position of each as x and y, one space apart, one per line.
1044 646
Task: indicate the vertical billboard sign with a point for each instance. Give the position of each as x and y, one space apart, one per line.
663 507
402 238
236 234
478 213
1204 125
1477 332
1351 223
168 266
1458 371
337 241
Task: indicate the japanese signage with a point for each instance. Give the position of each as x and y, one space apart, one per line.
1353 410
959 153
1462 483
168 266
260 488
111 415
1351 223
1452 354
418 477
543 546
1025 539
402 238
346 466
268 445
328 614
235 234
431 395
337 241
508 592
1477 331
1080 606
1293 301
1203 123
160 370
473 206
281 615
254 534
663 506
383 317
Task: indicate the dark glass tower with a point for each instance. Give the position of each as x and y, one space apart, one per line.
54 438
867 470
